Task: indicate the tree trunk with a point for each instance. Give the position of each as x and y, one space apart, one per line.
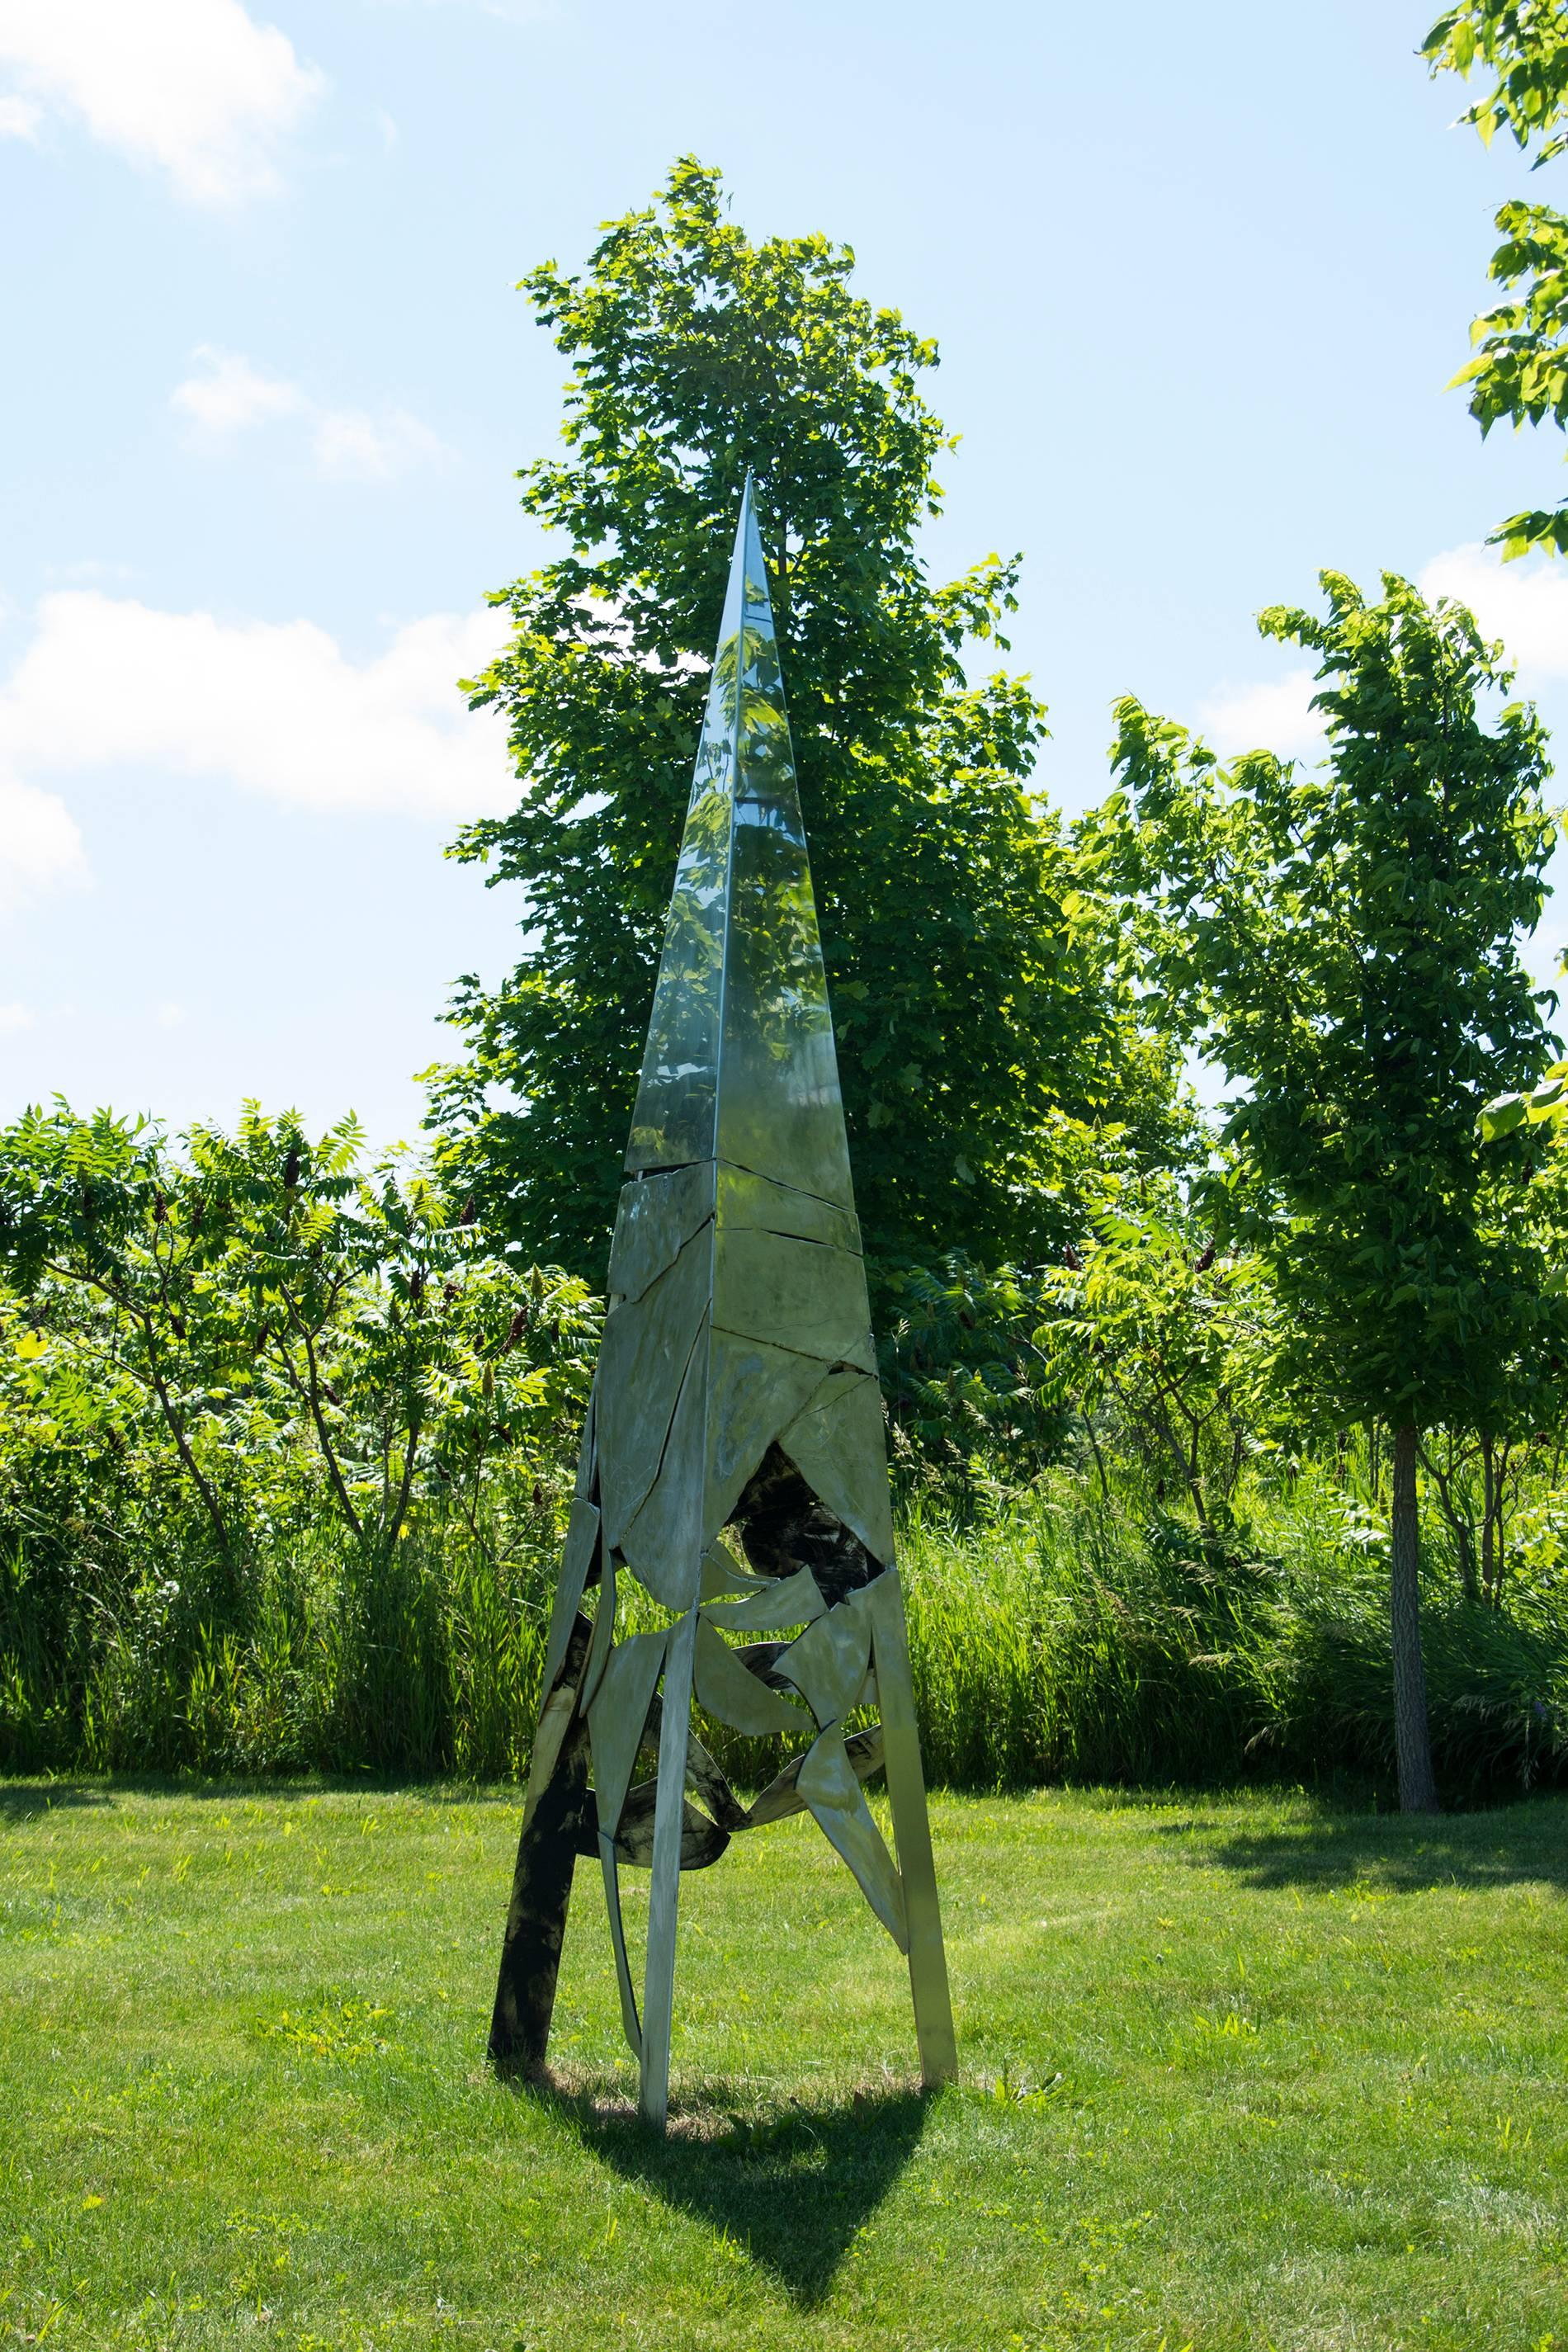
1412 1737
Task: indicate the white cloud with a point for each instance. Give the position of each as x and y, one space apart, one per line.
195 88
1272 716
20 118
228 395
1525 605
232 395
171 1016
276 708
349 446
14 1017
40 847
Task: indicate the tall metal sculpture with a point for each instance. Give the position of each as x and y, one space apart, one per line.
735 1397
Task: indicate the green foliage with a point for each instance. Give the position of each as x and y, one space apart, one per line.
243 1387
1345 943
1520 372
967 959
1157 1332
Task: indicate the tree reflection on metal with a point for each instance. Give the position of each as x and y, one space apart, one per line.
733 1464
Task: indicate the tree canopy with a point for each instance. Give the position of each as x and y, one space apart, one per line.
977 1015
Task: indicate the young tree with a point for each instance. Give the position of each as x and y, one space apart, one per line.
967 963
1345 943
1520 372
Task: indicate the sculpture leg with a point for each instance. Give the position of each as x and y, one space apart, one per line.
664 1895
912 1834
536 1917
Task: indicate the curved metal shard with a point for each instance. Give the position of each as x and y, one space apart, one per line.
827 1662
829 1783
736 1696
836 1445
617 1721
782 1600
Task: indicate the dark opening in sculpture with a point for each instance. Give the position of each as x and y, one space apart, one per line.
736 1390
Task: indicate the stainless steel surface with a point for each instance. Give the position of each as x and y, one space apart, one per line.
582 1542
782 1600
664 1544
643 1359
731 1691
829 1783
747 1200
754 1392
793 1294
617 1719
656 1217
827 1662
837 1445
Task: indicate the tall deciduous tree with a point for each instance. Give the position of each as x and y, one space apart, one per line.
1520 372
968 967
1344 942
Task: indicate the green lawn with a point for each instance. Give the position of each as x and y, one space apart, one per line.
1235 2072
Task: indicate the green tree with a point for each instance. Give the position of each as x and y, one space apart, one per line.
1520 372
264 1317
1345 943
968 964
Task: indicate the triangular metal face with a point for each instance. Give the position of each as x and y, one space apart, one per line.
736 1389
740 1063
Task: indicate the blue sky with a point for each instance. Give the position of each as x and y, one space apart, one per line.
1198 276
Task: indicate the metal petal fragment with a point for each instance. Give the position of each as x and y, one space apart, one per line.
664 1543
617 1717
581 1543
783 1601
733 1693
829 1783
701 1841
782 1797
827 1662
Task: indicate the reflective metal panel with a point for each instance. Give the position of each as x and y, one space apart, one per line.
829 1783
664 1545
581 1540
793 1294
674 1118
836 1445
783 1601
731 1691
631 2025
656 1217
748 1199
617 1717
779 1112
782 1797
827 1662
643 1359
755 1392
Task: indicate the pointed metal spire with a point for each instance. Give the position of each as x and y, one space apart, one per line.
735 1407
740 1062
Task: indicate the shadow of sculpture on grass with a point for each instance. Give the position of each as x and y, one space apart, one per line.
792 2181
1506 1845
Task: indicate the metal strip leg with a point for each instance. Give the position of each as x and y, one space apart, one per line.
664 1896
912 1833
